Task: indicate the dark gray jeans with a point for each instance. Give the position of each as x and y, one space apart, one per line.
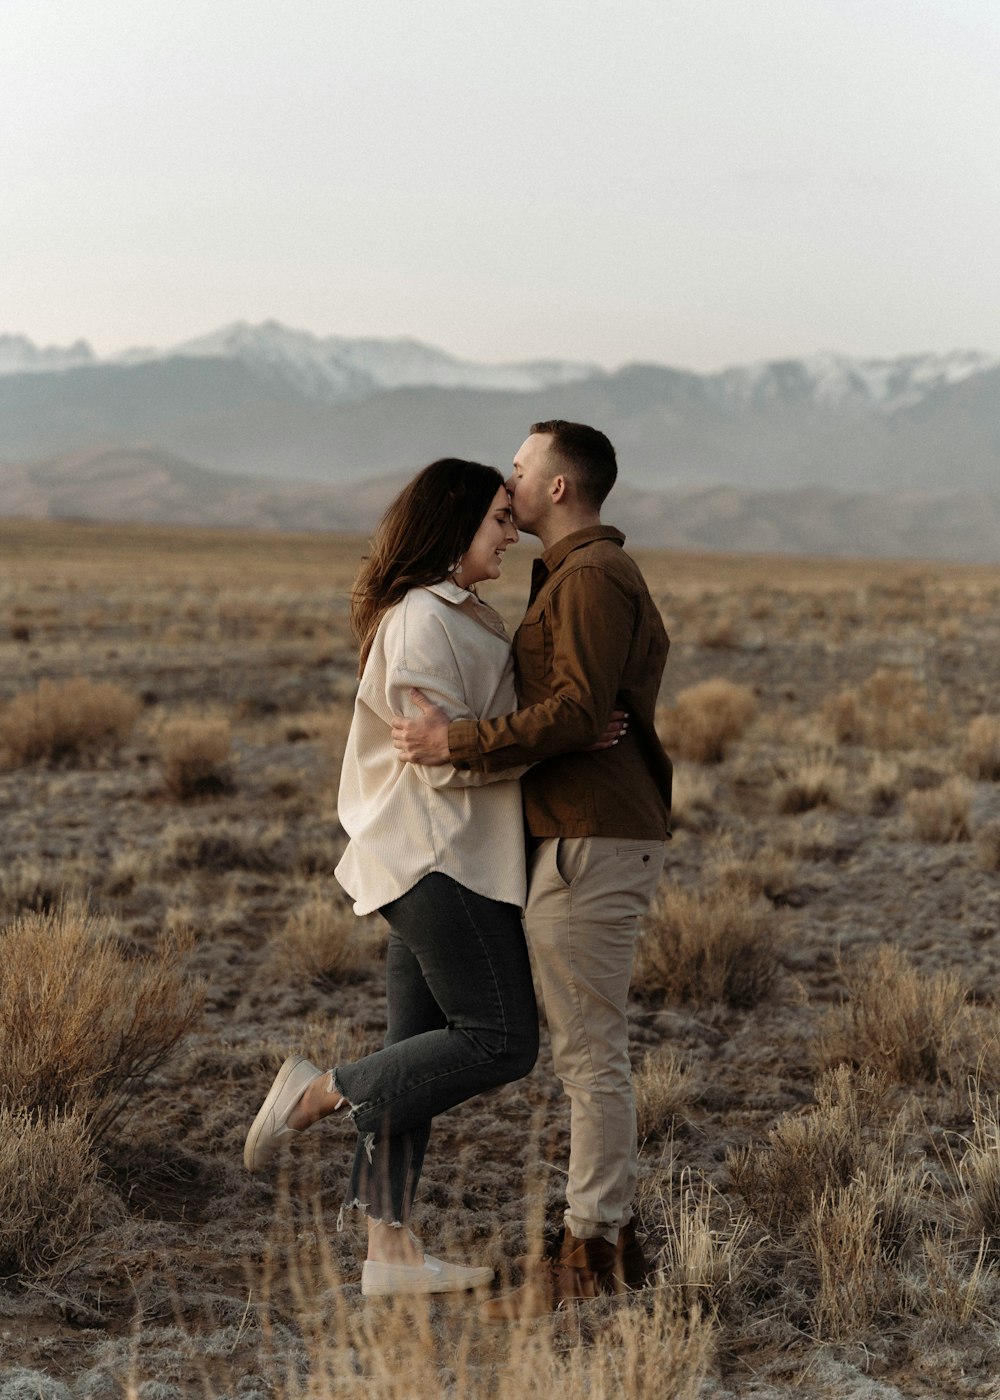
461 1019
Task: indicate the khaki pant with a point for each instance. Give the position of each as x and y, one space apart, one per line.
586 896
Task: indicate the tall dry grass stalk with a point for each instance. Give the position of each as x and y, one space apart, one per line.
194 754
647 1347
84 1019
710 945
707 720
706 1259
907 1025
69 722
48 1188
941 814
663 1087
856 1285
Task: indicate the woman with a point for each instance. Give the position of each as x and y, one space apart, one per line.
440 854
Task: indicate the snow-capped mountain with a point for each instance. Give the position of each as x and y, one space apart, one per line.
839 380
327 368
335 368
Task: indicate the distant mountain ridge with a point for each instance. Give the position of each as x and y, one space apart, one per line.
150 487
291 409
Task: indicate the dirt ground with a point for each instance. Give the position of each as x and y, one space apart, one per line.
199 1279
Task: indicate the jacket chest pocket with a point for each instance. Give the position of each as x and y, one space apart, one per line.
532 656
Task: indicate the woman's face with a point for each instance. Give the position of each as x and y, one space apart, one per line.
484 557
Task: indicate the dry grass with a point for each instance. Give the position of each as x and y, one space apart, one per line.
850 1131
222 1284
321 940
988 846
75 721
981 751
884 785
815 783
48 1188
890 710
707 720
941 814
899 1021
83 1019
194 754
663 1087
706 1259
717 945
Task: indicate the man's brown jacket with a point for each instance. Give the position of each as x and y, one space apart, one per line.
592 640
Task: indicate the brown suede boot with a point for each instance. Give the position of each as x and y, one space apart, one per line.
584 1269
631 1269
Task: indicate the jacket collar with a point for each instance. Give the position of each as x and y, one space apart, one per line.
552 558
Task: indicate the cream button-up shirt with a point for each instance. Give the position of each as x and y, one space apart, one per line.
404 820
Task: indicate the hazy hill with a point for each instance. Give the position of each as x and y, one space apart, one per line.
145 486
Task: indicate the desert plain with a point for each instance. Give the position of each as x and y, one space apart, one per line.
815 1010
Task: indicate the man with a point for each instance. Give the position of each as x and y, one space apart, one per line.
592 641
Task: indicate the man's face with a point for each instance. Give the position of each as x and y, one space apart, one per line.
529 483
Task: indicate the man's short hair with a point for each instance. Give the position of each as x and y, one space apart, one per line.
588 454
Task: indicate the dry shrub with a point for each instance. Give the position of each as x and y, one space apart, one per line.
981 754
704 1259
890 710
855 1282
988 846
48 1187
320 941
194 754
663 1086
884 786
979 1170
849 1131
70 722
815 784
222 846
328 1041
769 872
709 946
911 1027
941 814
707 720
83 1020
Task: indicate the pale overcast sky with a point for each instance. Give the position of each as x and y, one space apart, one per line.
696 182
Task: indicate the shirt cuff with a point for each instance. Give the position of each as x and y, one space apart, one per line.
463 746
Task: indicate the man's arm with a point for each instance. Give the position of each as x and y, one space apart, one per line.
424 740
591 621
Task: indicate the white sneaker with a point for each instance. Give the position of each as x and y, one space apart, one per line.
271 1123
432 1276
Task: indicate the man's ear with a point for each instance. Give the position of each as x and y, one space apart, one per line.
558 488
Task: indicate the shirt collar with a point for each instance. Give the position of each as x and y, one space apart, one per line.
449 591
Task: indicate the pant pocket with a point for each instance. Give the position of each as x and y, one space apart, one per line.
570 857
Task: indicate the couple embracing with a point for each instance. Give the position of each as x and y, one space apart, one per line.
459 742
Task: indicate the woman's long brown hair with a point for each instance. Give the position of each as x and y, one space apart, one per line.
420 538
